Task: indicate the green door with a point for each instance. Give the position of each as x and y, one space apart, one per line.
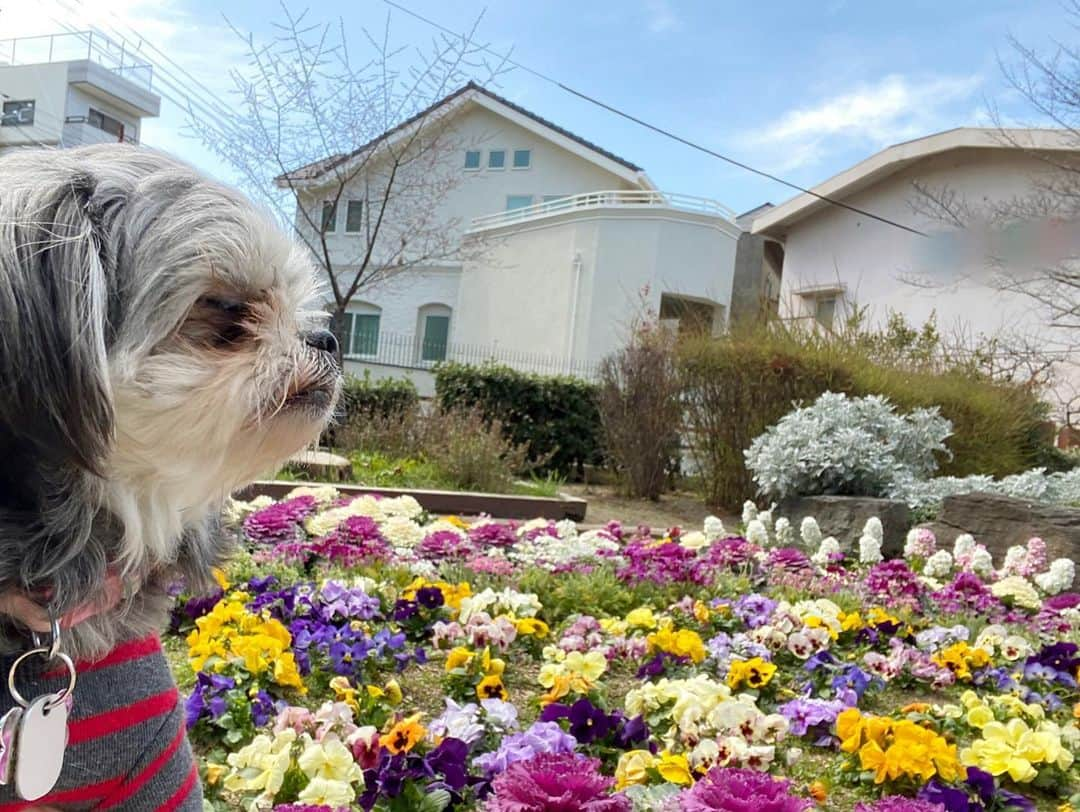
436 333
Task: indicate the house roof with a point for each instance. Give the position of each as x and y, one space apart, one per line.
469 92
891 160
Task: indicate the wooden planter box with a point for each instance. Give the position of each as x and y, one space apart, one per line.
458 503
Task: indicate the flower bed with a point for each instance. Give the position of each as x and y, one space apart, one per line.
362 655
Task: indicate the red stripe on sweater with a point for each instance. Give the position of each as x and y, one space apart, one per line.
131 785
125 652
181 794
122 718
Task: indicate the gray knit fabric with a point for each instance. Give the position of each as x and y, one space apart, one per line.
123 758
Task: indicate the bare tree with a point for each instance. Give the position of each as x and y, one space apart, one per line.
317 130
1048 212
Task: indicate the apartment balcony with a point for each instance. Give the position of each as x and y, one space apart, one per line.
627 201
98 66
78 132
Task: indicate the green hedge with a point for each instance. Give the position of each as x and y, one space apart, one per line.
364 397
556 418
734 387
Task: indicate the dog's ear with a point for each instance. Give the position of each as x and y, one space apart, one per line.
55 275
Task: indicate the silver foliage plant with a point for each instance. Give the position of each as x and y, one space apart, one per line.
925 496
847 446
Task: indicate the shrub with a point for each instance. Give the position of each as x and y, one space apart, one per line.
472 451
555 418
736 386
846 446
364 401
638 398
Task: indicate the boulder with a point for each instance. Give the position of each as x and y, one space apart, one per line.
844 517
999 522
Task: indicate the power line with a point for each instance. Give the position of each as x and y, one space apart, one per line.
660 130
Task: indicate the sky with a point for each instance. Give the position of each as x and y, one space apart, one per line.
802 89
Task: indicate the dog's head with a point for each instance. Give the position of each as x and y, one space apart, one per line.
158 348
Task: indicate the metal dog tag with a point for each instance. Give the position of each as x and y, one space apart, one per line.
8 728
40 742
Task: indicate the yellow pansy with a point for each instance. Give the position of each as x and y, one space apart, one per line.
674 768
641 618
633 768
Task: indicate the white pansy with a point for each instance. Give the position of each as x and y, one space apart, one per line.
694 540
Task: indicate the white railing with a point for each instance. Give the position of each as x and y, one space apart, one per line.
118 57
620 198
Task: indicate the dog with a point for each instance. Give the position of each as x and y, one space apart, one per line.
161 345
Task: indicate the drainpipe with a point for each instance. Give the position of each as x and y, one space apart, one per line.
576 264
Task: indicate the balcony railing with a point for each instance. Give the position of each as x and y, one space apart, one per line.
93 45
412 352
621 198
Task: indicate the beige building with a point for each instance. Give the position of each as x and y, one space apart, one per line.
836 258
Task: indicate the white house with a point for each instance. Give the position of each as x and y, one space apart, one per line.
559 244
67 90
836 258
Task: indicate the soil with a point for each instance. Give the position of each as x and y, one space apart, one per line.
678 508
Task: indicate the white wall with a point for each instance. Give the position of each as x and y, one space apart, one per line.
461 194
400 297
47 85
877 262
522 295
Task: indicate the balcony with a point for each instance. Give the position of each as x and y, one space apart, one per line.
622 199
97 65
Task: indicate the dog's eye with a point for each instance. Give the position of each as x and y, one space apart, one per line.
218 321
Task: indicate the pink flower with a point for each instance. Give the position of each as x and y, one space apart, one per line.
727 789
555 782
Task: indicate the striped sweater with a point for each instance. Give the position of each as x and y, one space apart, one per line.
127 746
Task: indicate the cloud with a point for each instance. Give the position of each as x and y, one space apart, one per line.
870 115
661 17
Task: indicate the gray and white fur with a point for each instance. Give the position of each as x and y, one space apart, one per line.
158 349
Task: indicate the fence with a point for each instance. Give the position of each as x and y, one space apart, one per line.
411 352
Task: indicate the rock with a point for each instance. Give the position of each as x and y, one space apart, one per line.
322 465
844 517
999 522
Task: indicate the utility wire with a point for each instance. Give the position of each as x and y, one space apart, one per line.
660 130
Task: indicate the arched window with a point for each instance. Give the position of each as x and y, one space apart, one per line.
362 330
433 331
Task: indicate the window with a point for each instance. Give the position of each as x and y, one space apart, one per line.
518 202
553 198
497 159
354 216
17 113
113 126
362 334
433 326
522 158
329 216
436 335
472 159
825 311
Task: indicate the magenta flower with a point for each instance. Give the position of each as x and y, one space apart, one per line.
727 789
894 584
443 544
279 522
561 782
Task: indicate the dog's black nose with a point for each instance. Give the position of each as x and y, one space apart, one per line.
322 340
